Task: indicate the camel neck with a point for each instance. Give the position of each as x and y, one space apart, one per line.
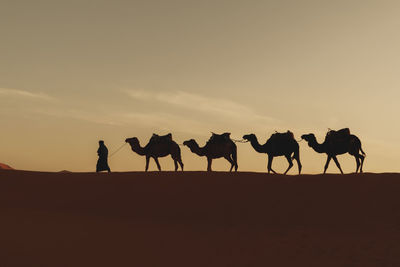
200 151
256 145
320 148
138 149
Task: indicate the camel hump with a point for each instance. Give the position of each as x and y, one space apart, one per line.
340 134
219 138
155 138
282 136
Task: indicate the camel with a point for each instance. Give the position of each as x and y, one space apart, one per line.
219 146
158 146
279 144
336 145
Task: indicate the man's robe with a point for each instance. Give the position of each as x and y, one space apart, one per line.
102 162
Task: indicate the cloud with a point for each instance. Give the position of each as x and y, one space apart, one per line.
163 121
173 111
26 94
152 120
81 115
213 106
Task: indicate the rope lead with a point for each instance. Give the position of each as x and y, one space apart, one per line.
115 152
240 141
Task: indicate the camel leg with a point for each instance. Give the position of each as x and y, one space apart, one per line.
147 163
362 163
209 162
180 163
298 163
357 162
357 157
235 163
177 159
337 163
234 158
176 165
270 158
327 163
289 159
228 158
158 163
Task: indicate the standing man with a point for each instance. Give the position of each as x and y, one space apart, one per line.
102 162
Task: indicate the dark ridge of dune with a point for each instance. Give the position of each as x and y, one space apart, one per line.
199 219
5 167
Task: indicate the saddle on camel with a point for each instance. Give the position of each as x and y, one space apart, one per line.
219 138
342 134
282 136
155 138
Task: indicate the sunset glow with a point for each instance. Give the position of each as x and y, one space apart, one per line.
75 72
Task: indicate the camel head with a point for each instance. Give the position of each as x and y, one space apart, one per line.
190 143
249 137
308 137
133 141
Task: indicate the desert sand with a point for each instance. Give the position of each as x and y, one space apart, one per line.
198 219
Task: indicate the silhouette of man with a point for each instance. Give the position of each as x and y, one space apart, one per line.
102 162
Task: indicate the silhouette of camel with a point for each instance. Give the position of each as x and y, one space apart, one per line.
336 145
219 146
158 146
279 144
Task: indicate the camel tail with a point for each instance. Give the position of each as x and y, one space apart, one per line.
296 153
362 151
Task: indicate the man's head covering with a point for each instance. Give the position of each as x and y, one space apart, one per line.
101 142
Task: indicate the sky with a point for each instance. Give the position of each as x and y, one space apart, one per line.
73 72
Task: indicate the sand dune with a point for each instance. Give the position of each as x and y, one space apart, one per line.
5 167
199 219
